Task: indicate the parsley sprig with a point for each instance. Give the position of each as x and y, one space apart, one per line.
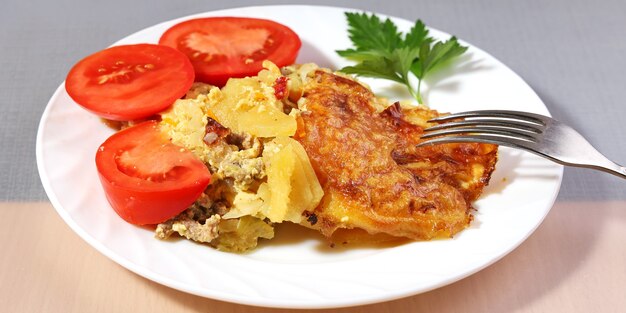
383 52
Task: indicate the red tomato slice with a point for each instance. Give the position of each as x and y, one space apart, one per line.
130 82
146 178
225 47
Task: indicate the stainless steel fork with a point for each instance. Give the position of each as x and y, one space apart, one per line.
535 133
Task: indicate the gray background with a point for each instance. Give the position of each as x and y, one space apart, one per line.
572 53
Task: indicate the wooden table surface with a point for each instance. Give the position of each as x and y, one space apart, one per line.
574 262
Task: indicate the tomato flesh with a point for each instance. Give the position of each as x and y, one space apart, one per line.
130 82
146 178
223 47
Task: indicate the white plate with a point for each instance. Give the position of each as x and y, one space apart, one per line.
298 270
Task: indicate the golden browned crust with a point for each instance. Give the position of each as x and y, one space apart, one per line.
373 176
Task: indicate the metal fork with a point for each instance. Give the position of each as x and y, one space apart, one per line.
535 133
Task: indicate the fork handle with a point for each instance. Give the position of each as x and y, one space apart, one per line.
615 169
594 160
608 167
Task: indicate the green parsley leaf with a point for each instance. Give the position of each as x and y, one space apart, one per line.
377 68
417 36
381 51
370 33
440 53
359 56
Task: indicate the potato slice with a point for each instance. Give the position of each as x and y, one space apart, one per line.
281 165
249 105
267 123
292 186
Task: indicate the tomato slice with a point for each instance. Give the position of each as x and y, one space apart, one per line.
224 47
130 82
146 178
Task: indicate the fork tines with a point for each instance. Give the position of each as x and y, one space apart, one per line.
509 128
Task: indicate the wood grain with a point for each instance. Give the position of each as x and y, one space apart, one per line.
574 262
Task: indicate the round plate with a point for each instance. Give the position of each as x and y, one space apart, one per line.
298 269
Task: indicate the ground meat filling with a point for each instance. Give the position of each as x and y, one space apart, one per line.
236 164
189 228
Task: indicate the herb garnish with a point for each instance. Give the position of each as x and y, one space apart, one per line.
383 52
